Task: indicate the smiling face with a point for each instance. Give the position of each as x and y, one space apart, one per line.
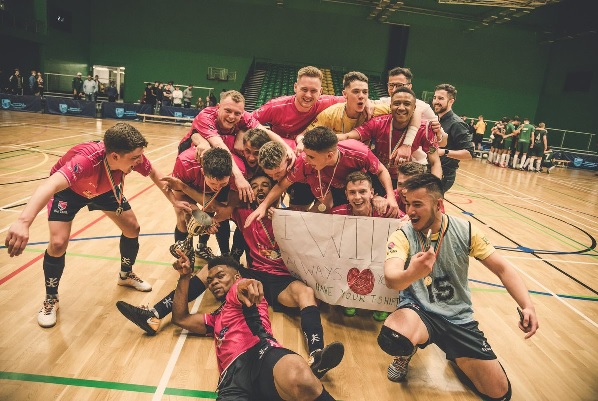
261 187
125 162
442 102
229 113
397 81
423 209
402 106
220 280
307 92
360 195
356 94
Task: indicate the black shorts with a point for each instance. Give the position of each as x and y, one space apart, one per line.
300 194
66 204
251 376
456 340
186 144
273 284
478 138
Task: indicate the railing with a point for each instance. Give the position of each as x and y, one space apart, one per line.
11 21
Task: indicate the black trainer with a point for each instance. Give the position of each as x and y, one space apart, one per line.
322 360
142 317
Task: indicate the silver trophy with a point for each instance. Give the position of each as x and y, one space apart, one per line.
198 224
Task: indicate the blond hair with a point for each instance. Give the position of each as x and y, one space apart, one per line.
309 71
236 96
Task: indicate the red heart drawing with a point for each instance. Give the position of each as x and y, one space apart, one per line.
361 283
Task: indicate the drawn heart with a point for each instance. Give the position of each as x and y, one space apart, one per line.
361 283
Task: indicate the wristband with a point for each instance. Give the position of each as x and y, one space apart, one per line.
410 135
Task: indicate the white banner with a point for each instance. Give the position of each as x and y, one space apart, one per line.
340 257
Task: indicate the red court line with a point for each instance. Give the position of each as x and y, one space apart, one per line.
38 257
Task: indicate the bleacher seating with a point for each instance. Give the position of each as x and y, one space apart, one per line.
270 80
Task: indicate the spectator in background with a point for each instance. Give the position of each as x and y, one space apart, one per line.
167 95
39 82
90 88
200 103
478 136
460 143
213 100
77 86
32 87
15 83
150 95
112 93
187 95
98 88
177 97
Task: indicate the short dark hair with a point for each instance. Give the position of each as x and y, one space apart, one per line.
320 139
411 168
430 182
401 71
354 76
404 89
450 90
516 118
227 261
357 176
123 138
217 163
256 137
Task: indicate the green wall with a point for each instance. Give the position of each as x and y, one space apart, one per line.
499 70
227 34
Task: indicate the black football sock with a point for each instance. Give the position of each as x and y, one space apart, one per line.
196 288
311 324
53 268
129 247
223 237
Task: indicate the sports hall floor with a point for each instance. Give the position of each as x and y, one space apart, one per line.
545 225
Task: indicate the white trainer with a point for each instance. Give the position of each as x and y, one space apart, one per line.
47 314
133 280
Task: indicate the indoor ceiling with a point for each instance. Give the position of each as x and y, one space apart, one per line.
552 19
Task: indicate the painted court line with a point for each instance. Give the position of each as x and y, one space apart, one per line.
551 260
593 323
176 352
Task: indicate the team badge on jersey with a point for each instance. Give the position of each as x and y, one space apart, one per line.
62 205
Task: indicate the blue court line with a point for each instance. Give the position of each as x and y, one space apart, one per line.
580 297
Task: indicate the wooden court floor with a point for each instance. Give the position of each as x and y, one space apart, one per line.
545 225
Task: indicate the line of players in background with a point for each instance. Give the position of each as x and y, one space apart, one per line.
520 146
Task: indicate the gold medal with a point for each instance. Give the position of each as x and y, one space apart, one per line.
119 211
427 281
322 207
274 255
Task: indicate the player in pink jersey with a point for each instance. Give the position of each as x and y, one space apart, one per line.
360 195
252 364
223 126
268 267
289 116
377 132
90 174
324 166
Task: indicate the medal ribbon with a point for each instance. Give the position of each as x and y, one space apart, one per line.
118 194
207 203
331 178
401 139
441 234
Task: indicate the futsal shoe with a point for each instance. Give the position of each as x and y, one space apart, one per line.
322 360
398 368
144 318
204 252
134 281
380 316
549 170
47 314
350 312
